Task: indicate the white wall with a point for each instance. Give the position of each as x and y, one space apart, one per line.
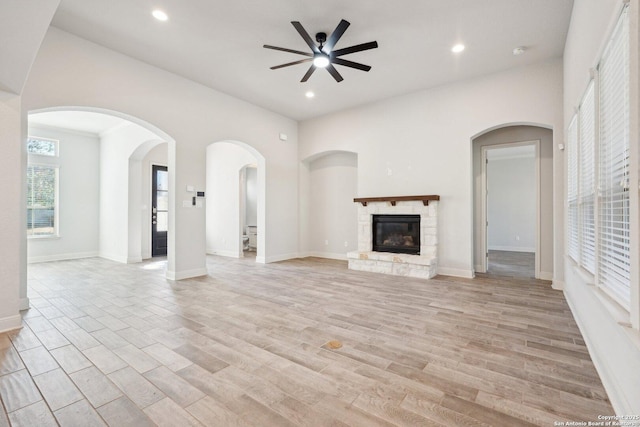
614 348
69 71
120 192
157 156
13 214
78 197
333 221
22 28
512 204
225 162
421 144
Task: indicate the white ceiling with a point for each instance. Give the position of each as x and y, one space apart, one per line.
219 43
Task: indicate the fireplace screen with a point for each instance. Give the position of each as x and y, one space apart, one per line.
396 233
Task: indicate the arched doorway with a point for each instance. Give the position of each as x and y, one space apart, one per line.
228 227
503 230
100 159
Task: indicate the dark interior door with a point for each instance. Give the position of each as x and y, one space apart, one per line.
159 210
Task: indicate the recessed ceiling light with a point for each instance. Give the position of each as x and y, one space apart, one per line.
519 50
160 15
309 94
457 48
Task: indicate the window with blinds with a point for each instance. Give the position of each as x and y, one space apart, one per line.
41 200
587 180
613 225
572 189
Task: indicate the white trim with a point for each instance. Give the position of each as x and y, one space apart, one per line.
229 254
276 258
613 347
327 255
546 275
10 323
456 272
24 304
187 274
512 249
134 260
558 285
117 258
61 257
260 259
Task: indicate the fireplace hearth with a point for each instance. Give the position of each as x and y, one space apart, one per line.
398 234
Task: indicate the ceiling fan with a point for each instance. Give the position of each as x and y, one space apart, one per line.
323 55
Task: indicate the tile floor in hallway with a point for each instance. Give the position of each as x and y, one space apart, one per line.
119 345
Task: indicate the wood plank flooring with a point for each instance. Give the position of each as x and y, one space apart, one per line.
247 345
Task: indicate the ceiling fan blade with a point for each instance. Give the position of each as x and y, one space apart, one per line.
335 36
336 75
350 64
284 49
292 63
308 74
354 49
306 37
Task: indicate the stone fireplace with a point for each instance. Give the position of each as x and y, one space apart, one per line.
397 235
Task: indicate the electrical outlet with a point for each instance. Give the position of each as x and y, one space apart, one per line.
326 242
518 238
346 243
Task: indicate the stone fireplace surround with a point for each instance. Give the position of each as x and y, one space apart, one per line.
425 264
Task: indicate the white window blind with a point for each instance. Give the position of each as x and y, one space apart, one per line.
572 188
613 224
587 184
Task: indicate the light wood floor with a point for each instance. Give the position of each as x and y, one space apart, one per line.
249 345
513 264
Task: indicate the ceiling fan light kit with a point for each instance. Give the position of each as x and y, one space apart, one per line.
323 54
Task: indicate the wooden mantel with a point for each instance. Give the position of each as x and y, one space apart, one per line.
393 200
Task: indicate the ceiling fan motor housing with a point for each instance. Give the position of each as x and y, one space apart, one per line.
321 38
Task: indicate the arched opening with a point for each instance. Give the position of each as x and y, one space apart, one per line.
235 200
101 166
513 201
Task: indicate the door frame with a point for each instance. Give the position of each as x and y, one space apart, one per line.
484 220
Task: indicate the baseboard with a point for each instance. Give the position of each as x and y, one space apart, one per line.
327 255
546 275
456 272
261 260
230 254
24 304
277 258
10 323
116 258
558 285
478 268
512 249
61 257
134 260
187 274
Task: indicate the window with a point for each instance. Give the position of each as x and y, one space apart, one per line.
613 205
587 181
42 182
42 146
572 189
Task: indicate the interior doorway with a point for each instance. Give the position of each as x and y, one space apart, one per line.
159 210
510 206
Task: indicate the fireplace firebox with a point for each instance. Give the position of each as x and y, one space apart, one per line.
396 233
